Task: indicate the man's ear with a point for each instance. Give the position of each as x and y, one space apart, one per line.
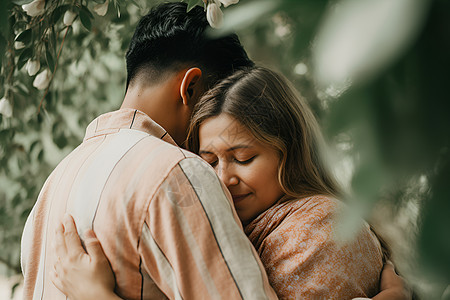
190 81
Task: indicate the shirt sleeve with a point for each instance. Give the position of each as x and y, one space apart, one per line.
304 261
192 243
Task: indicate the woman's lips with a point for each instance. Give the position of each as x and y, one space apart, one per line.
239 198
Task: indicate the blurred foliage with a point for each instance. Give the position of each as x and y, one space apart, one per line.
391 124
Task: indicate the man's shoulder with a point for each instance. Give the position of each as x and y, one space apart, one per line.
163 151
168 158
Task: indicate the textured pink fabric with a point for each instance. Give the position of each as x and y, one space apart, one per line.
296 243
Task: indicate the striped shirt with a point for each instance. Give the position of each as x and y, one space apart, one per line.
165 221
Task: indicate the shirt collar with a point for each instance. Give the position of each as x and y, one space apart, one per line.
126 118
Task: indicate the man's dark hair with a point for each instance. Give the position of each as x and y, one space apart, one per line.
169 38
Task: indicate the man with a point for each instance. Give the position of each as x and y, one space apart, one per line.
163 218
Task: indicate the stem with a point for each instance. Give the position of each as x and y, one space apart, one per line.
54 70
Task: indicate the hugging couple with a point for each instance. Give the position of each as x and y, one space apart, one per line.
207 183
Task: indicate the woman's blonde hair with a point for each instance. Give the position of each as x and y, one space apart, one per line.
266 104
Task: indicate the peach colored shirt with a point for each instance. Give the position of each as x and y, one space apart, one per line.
295 240
165 221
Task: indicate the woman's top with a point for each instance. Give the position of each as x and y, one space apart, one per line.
297 244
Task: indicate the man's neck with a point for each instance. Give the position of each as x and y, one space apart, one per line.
157 102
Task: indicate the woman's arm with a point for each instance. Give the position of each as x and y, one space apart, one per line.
86 275
78 273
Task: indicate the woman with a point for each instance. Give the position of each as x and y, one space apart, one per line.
264 143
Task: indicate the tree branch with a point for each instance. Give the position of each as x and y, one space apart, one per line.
54 70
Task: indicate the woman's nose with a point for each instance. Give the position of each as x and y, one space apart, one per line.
227 175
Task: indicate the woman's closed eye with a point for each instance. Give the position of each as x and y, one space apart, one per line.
238 161
245 162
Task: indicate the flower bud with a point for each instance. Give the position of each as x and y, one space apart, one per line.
226 3
101 9
33 67
214 15
42 80
69 17
35 8
5 108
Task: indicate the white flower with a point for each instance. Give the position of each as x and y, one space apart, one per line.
42 80
226 3
19 45
69 16
214 15
33 67
101 9
35 8
5 108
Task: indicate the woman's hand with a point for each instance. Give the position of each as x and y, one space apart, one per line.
392 286
78 273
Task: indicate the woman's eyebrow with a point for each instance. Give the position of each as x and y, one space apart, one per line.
238 147
227 150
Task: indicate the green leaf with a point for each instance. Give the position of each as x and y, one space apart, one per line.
25 37
16 200
85 18
50 60
4 135
27 211
53 40
33 145
40 118
2 47
58 12
60 140
40 155
24 56
55 128
87 11
21 2
22 88
4 13
193 3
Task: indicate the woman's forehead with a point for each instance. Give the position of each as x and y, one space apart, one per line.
225 131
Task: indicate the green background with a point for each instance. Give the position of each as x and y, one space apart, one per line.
387 120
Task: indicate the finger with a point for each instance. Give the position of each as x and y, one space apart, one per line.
56 280
389 265
93 246
388 272
73 242
58 283
60 243
58 268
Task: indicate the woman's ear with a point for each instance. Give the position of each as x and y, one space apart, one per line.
190 82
